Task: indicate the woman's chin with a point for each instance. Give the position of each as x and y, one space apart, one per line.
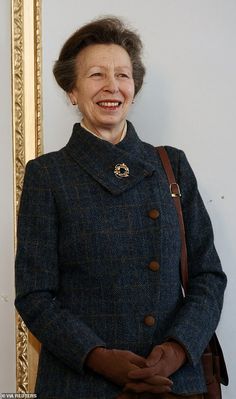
110 122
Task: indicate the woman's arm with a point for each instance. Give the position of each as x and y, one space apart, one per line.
37 274
197 319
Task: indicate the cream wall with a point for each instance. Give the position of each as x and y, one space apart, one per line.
7 313
188 101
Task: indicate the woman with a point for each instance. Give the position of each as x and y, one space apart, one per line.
97 265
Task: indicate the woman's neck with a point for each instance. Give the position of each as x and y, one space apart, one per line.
113 137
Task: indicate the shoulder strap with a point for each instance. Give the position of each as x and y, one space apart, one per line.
213 349
176 194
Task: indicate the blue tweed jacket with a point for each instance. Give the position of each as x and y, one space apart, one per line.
87 243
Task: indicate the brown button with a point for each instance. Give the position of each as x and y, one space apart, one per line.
154 266
149 321
153 214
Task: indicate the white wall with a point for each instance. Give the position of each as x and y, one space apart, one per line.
7 312
188 101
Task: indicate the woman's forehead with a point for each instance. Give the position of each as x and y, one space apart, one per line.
103 55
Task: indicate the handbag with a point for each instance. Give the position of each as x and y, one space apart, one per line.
213 362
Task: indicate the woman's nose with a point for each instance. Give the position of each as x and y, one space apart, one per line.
111 84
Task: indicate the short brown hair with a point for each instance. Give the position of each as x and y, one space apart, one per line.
109 30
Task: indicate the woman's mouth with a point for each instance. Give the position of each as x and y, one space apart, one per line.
109 105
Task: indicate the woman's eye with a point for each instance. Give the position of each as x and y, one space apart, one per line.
96 74
123 75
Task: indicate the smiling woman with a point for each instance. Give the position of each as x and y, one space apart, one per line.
104 89
97 263
101 70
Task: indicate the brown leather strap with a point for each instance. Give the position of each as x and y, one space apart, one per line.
176 194
214 348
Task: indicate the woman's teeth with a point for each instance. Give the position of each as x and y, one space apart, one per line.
108 104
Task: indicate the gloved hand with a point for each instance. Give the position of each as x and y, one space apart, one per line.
114 364
163 361
127 395
156 384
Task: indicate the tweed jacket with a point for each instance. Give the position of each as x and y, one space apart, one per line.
97 262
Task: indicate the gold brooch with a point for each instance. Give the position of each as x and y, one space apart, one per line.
121 170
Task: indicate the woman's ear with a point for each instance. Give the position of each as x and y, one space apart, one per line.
72 98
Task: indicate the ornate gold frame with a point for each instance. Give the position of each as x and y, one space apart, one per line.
27 144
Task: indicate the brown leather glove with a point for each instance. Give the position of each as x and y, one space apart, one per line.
163 361
132 395
127 395
114 364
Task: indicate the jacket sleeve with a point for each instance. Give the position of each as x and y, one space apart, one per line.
37 275
197 319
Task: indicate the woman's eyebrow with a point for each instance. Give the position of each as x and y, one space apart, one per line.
105 67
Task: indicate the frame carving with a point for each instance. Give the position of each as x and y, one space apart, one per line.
27 144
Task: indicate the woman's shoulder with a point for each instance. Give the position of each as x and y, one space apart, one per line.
174 153
48 159
45 168
177 157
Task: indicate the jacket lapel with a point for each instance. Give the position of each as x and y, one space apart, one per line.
99 158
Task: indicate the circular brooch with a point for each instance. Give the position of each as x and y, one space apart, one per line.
121 170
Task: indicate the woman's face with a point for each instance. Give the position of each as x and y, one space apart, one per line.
104 87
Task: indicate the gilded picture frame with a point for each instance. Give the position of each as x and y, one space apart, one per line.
27 144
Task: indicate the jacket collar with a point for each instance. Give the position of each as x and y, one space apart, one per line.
99 158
